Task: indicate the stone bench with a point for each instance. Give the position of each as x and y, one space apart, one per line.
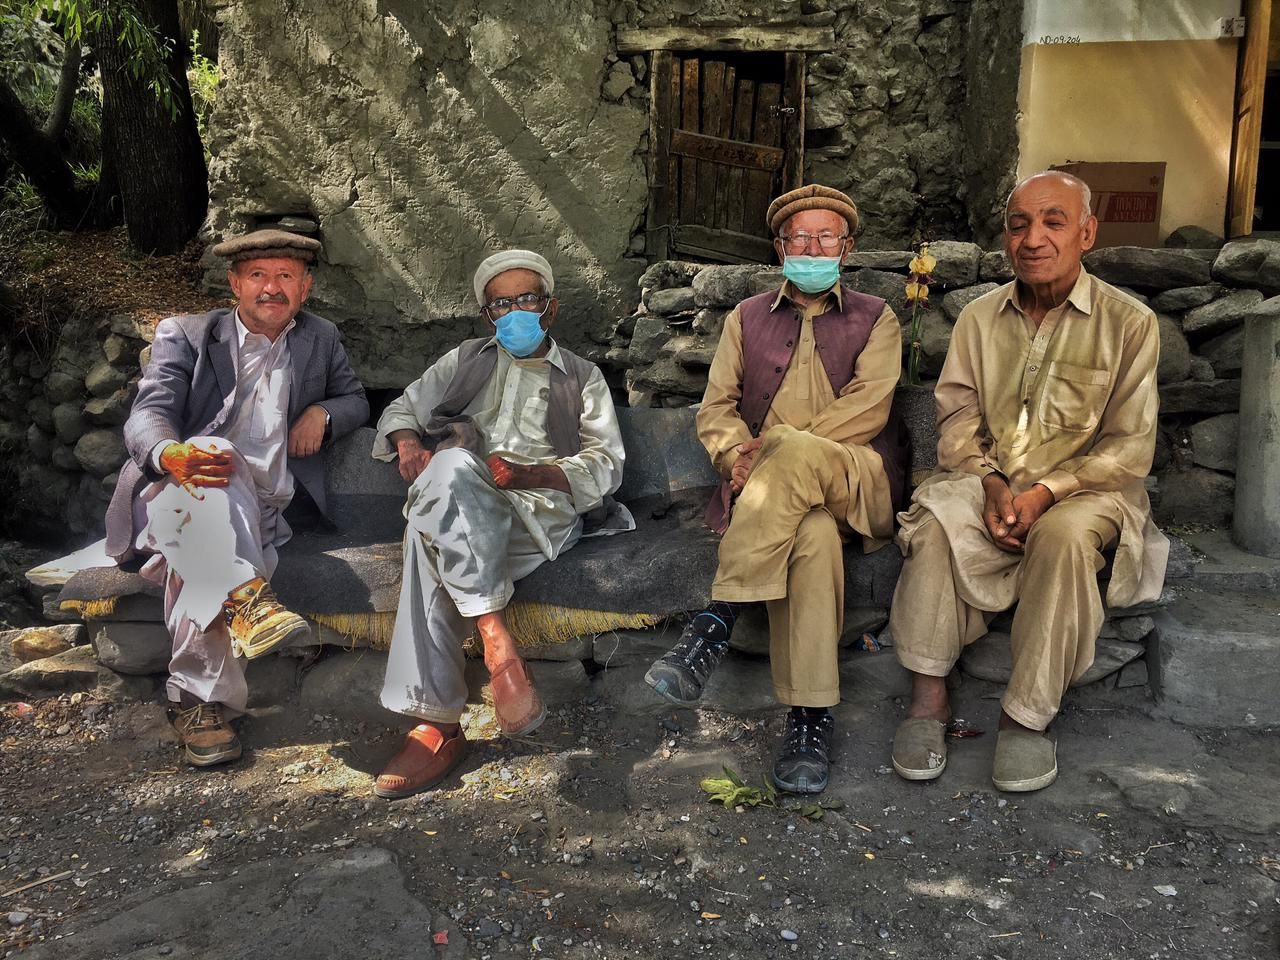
347 582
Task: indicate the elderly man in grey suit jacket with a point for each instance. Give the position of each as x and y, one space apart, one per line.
231 411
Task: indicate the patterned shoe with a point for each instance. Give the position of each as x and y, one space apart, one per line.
207 736
804 760
680 674
257 621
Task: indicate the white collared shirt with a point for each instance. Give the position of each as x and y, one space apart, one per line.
259 420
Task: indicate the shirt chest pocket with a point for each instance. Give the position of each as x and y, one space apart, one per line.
1074 397
533 418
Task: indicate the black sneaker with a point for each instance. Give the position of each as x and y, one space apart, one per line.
682 672
804 759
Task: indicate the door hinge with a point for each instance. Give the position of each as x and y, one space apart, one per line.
786 110
1232 26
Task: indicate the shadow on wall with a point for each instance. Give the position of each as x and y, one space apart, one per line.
423 140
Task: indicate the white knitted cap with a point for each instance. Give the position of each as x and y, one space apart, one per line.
512 260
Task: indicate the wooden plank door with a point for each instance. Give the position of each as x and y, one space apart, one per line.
1247 139
726 136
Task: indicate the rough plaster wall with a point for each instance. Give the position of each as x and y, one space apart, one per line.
424 136
883 116
990 116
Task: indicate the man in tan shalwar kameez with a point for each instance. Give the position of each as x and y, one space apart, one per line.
794 418
1046 423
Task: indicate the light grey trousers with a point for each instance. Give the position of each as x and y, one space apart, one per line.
203 549
464 548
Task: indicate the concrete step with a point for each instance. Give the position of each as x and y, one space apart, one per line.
1214 659
1224 566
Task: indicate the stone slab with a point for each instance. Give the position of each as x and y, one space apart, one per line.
360 891
1215 659
1150 269
991 658
136 648
348 685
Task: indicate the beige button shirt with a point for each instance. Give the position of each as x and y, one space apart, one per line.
1070 404
806 401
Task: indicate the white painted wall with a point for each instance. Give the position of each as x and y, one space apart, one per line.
1101 21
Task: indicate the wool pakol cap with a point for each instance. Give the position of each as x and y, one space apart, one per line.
269 245
512 260
812 197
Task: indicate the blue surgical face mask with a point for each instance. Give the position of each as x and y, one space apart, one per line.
812 274
520 332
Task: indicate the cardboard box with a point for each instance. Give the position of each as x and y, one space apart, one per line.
1126 200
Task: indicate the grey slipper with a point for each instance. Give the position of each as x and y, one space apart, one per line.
920 749
1025 761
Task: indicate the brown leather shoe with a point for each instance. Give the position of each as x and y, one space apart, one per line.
425 759
519 708
257 621
207 736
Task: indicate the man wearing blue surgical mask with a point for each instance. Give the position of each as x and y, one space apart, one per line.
797 419
506 442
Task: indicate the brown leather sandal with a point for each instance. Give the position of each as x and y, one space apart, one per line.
519 708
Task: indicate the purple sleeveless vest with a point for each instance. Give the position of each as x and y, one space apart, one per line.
768 343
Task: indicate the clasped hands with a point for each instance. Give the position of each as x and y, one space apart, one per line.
1009 519
414 458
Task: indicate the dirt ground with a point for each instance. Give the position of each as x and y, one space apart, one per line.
592 839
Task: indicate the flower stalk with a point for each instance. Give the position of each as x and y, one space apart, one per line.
922 266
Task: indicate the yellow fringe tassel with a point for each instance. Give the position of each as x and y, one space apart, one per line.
91 609
532 624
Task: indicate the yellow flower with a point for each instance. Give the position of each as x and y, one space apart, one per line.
917 292
923 262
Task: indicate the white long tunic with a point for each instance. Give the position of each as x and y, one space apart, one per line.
511 412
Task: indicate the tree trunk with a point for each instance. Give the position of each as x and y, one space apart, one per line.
157 159
40 159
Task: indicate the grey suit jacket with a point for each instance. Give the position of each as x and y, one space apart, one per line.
188 388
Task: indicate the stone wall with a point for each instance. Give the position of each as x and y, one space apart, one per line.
419 137
62 407
662 351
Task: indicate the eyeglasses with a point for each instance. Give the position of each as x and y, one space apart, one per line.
526 301
799 242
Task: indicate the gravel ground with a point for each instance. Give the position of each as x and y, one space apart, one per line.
593 839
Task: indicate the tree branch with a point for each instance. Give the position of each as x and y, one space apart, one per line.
68 84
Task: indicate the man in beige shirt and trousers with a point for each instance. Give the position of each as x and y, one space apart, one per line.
1047 409
795 419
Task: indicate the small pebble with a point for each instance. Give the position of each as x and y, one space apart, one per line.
790 935
17 918
63 730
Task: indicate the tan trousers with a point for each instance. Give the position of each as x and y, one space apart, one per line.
1059 613
784 546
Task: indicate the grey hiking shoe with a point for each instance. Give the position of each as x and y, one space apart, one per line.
680 674
804 760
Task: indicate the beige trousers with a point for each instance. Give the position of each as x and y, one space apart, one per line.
784 546
938 607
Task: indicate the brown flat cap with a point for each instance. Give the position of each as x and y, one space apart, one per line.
269 245
811 197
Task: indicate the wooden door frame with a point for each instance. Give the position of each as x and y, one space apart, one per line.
793 41
1251 81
